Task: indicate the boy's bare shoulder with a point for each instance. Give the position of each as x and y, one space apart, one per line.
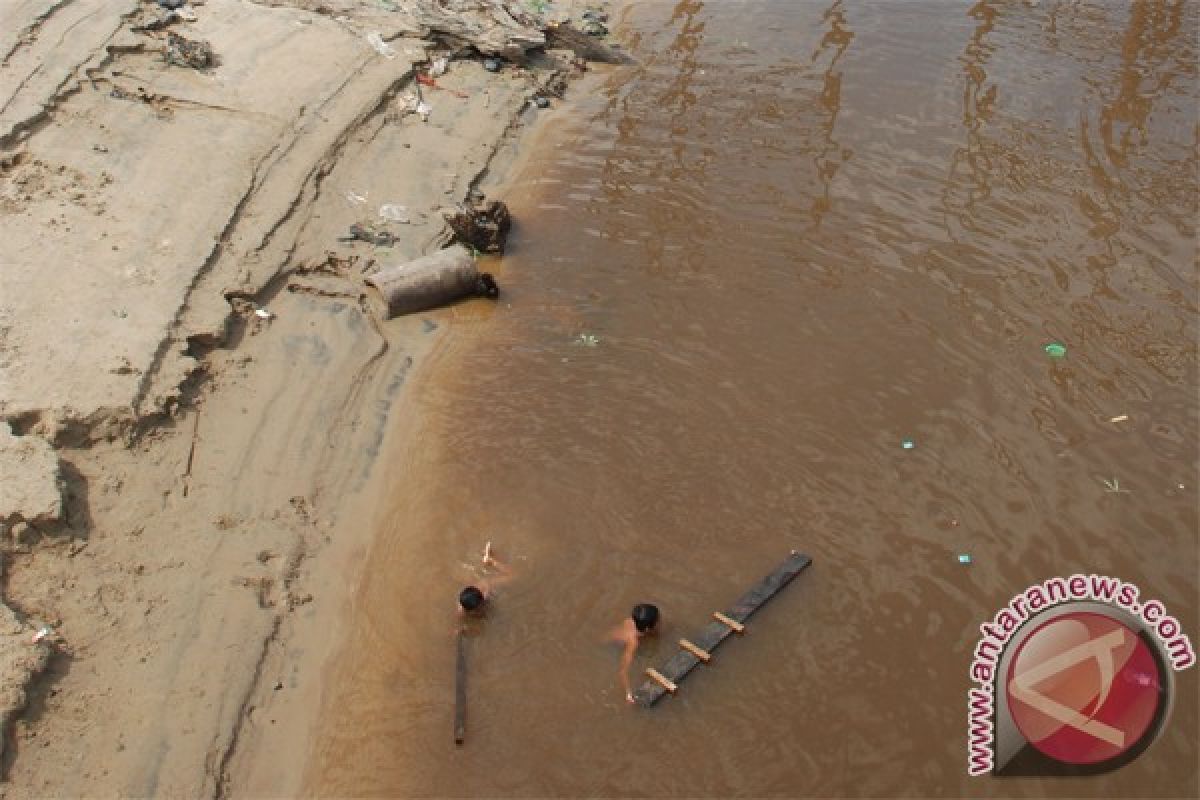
625 633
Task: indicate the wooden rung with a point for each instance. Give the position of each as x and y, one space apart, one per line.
699 653
661 680
732 624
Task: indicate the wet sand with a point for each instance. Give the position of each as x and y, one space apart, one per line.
800 234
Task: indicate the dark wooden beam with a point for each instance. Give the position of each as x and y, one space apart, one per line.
460 691
683 662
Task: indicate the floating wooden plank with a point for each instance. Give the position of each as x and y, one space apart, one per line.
460 691
684 661
703 655
657 677
732 624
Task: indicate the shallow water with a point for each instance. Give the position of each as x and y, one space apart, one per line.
800 233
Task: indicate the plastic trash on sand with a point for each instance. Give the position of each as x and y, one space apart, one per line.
394 213
375 39
42 633
438 67
262 313
424 109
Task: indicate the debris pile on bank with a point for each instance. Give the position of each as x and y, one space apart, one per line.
482 225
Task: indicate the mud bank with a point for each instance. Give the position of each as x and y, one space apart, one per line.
193 382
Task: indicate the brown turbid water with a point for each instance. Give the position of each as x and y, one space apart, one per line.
800 234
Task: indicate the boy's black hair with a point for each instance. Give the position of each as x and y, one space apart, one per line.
645 616
470 598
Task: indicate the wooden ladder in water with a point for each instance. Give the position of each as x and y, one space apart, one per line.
665 680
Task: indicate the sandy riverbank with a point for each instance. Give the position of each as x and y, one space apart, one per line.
187 486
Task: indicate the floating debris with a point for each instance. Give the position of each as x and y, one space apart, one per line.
1113 486
1119 418
964 558
1056 350
588 340
908 444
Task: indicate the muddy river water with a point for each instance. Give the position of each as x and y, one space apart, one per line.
745 271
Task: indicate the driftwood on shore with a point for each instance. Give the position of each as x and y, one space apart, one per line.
502 28
433 280
493 27
589 48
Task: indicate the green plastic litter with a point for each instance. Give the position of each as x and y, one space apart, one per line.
1056 350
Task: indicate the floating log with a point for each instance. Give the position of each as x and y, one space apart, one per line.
460 691
433 280
684 661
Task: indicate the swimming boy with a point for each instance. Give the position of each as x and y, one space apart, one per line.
641 622
472 599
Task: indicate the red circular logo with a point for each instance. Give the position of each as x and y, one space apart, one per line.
1084 688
